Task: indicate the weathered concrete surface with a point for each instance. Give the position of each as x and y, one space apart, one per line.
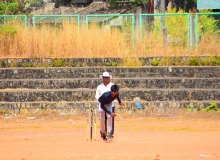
117 72
92 83
161 107
75 87
82 94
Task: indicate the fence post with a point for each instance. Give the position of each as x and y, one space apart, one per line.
163 16
164 38
192 31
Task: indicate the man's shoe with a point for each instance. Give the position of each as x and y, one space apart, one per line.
110 136
103 135
104 138
100 133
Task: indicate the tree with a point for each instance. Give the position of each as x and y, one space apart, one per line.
186 5
11 6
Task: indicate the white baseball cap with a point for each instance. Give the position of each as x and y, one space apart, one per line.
105 74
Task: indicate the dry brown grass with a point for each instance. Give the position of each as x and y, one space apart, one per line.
74 42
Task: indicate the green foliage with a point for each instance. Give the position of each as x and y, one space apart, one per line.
207 23
113 3
193 61
2 8
8 30
165 61
155 61
132 62
12 7
128 61
204 61
215 61
191 107
13 64
58 62
178 61
112 63
139 2
176 26
27 65
212 107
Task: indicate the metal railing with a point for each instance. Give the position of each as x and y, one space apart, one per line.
12 19
122 22
178 26
55 19
201 19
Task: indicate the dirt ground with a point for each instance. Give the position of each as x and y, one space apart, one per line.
190 136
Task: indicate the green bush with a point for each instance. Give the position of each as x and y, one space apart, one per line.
27 65
215 61
139 2
113 63
155 61
131 62
8 30
207 23
58 62
2 8
204 61
113 3
212 107
176 26
193 61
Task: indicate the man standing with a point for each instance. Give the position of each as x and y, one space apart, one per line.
102 88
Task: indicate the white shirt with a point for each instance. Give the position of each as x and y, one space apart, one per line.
102 89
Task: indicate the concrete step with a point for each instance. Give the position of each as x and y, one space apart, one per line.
69 87
126 94
158 107
117 72
92 83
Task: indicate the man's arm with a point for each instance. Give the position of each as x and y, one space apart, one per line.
105 109
97 93
119 101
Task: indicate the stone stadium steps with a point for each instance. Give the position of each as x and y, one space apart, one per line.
127 94
164 107
132 83
71 88
117 72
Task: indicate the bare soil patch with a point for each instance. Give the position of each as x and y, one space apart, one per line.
184 136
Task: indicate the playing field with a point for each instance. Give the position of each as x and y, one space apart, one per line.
189 136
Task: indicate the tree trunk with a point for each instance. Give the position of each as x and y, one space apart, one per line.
151 6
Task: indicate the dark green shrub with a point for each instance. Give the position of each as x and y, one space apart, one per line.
215 61
193 61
